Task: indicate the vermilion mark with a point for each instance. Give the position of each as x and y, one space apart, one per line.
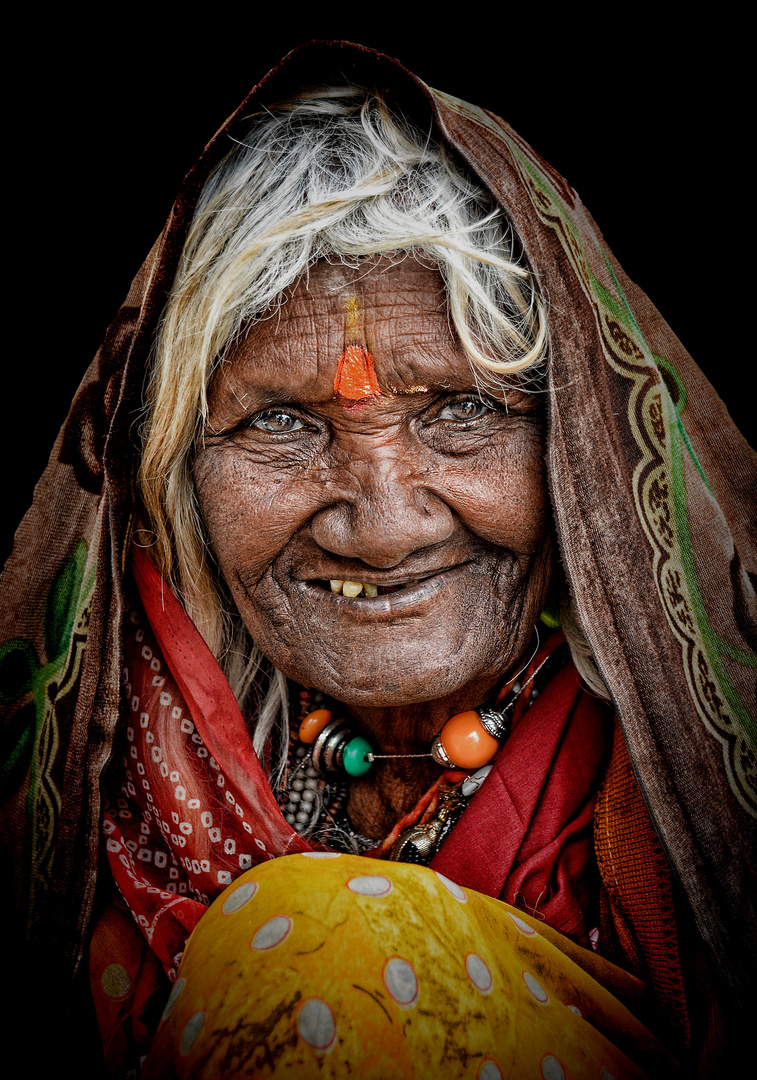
355 377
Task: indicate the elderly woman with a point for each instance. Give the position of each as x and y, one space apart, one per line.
389 522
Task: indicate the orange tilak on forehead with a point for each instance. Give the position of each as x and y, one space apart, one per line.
355 378
355 375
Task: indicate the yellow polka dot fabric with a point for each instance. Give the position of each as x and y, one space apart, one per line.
341 966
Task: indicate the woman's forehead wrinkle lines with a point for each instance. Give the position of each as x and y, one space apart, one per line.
349 337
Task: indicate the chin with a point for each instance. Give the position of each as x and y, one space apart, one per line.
381 683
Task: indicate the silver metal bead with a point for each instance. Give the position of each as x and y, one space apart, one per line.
328 743
495 723
439 754
302 815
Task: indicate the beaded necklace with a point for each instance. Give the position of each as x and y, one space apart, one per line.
315 787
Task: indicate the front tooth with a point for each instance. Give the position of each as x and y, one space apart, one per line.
370 590
352 588
336 586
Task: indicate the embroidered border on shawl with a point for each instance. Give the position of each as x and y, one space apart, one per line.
658 483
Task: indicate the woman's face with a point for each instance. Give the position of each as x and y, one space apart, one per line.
347 441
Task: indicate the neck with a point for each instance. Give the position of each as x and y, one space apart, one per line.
393 786
409 729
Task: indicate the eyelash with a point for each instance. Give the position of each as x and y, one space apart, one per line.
483 406
256 420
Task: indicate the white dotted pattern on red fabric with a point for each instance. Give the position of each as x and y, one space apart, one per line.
176 834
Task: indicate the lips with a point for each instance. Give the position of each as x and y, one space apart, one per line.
391 596
368 589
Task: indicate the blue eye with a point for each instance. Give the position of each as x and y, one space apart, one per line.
465 409
277 422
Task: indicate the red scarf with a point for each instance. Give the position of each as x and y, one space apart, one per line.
190 807
527 836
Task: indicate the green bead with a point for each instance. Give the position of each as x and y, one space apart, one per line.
550 616
353 756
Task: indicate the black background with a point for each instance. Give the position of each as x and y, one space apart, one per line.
647 122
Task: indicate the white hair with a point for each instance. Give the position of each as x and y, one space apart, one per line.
332 174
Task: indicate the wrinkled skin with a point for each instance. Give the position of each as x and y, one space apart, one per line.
427 481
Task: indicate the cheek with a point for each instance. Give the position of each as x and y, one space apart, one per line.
504 500
249 517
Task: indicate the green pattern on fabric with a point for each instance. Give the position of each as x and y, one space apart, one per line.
31 738
711 685
711 641
61 603
670 369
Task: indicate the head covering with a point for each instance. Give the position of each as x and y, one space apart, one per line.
653 491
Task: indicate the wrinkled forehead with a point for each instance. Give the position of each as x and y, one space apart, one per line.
392 310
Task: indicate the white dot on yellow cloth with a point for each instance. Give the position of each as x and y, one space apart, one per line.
452 887
192 1029
272 933
535 988
370 885
478 972
316 1024
380 917
240 896
522 926
551 1069
401 981
173 997
489 1070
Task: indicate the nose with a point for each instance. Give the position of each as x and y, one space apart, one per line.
383 513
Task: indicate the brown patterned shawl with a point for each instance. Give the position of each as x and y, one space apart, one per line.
654 495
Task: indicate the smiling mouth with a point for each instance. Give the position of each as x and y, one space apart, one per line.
354 589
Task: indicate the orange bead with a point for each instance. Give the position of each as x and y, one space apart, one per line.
313 724
466 742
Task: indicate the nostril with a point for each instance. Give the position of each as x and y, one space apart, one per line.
381 528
